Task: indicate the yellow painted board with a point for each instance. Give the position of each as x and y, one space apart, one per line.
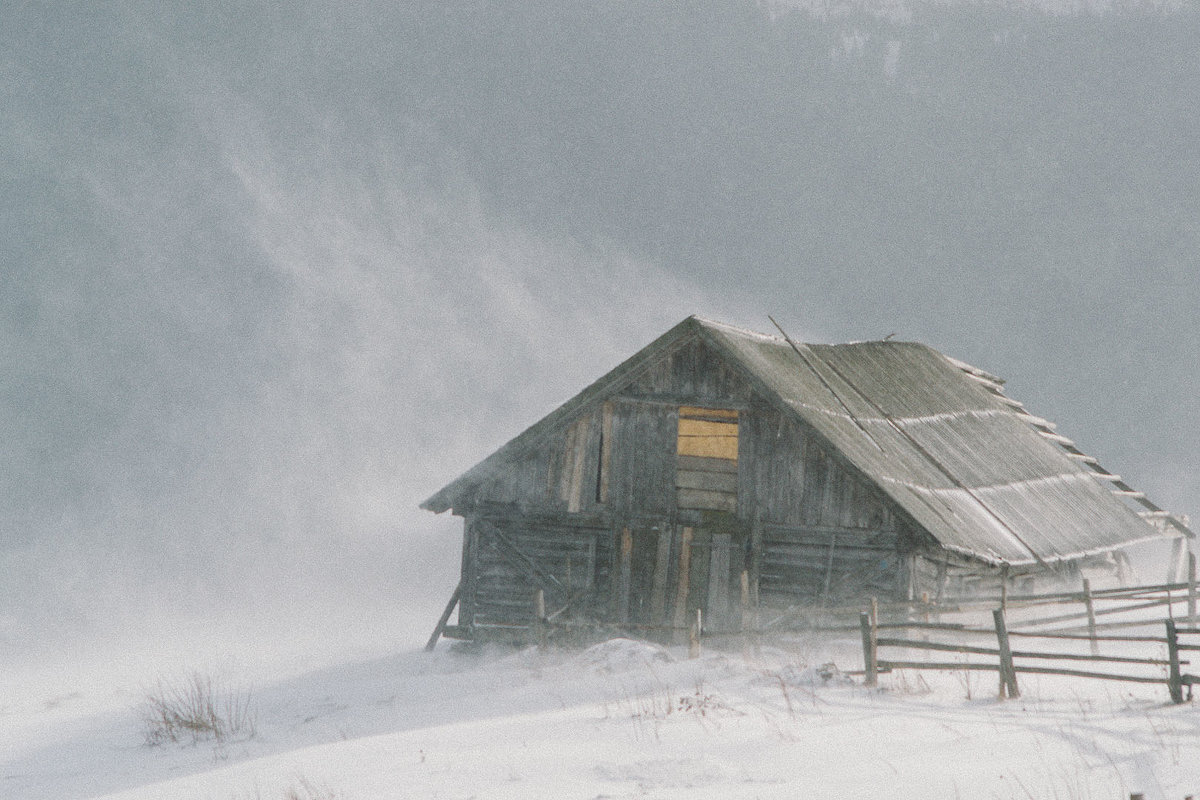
696 427
709 446
695 411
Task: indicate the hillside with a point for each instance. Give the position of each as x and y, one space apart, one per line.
620 719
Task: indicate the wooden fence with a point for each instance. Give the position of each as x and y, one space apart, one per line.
1010 662
951 625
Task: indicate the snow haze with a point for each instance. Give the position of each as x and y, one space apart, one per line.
271 276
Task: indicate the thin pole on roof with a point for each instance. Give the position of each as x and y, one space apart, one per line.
826 384
934 460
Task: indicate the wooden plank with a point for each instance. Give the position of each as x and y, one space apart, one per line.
700 464
1008 676
606 437
625 581
1191 582
567 463
684 575
724 447
713 501
1176 563
707 481
717 606
870 665
578 456
662 563
699 428
441 625
700 561
1174 679
1091 614
719 414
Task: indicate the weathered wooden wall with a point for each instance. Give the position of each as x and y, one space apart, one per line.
598 497
509 557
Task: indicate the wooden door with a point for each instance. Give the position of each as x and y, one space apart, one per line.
645 555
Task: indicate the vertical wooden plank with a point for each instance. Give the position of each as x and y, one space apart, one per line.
701 558
1091 616
744 604
539 617
756 549
625 581
718 583
1174 677
470 569
1004 587
606 439
578 457
1008 674
870 665
828 569
694 635
662 564
1191 582
1176 564
567 464
681 589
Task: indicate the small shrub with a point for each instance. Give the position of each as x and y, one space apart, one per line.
194 710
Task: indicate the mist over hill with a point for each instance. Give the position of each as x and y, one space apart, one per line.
270 277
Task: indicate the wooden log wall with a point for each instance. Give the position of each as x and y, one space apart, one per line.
828 566
802 522
510 558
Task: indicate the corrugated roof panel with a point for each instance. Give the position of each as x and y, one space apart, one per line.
966 465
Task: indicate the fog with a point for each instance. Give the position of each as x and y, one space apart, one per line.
269 278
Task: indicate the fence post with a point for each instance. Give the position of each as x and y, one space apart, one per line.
539 617
1174 679
1191 567
1004 587
1008 674
870 664
1091 615
694 635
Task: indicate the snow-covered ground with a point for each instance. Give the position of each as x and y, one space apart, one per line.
619 719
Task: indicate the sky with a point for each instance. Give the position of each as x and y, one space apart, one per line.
270 276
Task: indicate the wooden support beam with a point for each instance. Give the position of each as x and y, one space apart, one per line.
441 625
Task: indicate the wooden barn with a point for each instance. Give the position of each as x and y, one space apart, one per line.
813 475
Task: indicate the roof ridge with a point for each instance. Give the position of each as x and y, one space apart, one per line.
712 323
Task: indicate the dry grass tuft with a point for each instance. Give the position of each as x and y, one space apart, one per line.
194 710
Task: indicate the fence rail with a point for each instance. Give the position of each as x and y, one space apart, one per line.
922 620
1008 661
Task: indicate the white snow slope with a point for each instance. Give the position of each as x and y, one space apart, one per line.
620 719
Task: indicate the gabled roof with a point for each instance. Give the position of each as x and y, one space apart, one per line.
937 436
